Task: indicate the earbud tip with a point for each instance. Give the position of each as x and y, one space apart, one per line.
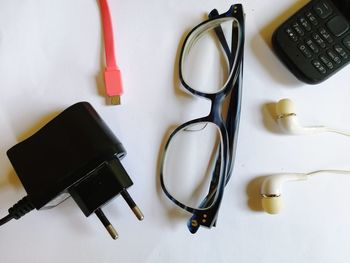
285 106
272 205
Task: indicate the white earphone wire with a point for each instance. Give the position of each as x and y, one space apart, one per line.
337 131
328 172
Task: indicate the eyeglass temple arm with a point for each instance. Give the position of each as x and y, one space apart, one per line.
233 113
221 36
232 120
211 193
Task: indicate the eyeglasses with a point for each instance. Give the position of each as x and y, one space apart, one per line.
198 157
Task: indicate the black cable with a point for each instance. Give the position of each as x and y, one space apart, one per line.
21 208
5 219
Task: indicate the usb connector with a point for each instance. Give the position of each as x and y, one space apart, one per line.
114 85
112 74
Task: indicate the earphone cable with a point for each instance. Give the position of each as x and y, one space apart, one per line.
328 172
337 131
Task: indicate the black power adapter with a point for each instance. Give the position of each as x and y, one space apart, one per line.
75 155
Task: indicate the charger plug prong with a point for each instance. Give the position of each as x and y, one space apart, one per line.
111 230
132 205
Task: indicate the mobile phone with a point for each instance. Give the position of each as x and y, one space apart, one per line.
314 43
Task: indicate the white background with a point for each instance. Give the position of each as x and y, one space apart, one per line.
51 57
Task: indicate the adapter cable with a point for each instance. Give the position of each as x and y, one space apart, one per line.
21 208
74 155
112 74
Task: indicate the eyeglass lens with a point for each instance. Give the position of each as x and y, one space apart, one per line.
204 65
189 163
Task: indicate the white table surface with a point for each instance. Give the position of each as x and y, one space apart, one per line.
50 58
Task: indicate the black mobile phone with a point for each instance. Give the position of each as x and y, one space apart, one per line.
314 43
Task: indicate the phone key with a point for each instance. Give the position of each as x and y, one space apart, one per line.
346 42
319 40
338 25
306 52
326 35
317 64
341 51
305 23
334 56
291 34
298 29
322 9
312 45
312 18
326 61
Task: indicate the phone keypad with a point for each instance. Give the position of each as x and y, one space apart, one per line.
341 51
319 40
312 45
312 18
326 35
323 9
305 50
305 23
326 61
318 33
317 64
298 29
334 56
291 34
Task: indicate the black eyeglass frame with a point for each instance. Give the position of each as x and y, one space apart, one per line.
228 128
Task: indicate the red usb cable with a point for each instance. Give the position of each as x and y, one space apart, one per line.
112 74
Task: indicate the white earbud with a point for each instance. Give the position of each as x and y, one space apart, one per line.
288 121
271 188
271 191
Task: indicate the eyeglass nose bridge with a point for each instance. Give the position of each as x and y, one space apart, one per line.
217 101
